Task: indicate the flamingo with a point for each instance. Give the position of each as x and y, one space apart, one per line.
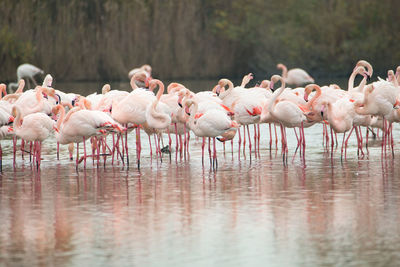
35 128
27 71
80 124
33 101
6 132
144 68
295 76
158 114
246 105
289 114
132 109
212 123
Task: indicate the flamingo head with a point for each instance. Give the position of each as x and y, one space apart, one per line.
367 65
396 104
147 68
397 72
274 79
147 81
228 135
280 66
48 80
265 84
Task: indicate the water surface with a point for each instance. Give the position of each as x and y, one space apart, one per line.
254 212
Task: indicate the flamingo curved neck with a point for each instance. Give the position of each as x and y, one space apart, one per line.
284 71
3 90
273 99
62 115
192 114
18 118
21 85
350 85
315 97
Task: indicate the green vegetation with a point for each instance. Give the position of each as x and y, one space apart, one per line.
103 39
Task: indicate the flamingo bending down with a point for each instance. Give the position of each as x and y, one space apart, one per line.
35 128
27 71
212 123
80 124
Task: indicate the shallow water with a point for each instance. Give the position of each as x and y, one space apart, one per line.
250 212
247 213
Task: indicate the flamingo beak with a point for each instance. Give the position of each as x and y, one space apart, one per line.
306 97
271 86
187 111
218 89
221 139
146 82
397 104
234 124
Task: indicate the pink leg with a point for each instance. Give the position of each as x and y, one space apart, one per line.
77 155
244 141
239 142
270 136
215 162
346 142
248 135
202 150
84 152
209 150
255 139
126 146
344 136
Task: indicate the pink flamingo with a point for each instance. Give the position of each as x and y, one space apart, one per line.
212 123
132 109
295 76
80 124
35 128
289 114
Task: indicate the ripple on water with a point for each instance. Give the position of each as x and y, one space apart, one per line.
258 212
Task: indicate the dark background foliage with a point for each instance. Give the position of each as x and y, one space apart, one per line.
103 39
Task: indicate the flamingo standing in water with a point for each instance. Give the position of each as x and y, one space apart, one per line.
288 113
295 76
212 123
80 124
132 109
35 128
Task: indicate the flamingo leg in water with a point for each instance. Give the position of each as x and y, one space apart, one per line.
270 136
202 151
346 142
248 135
126 146
239 143
215 161
244 141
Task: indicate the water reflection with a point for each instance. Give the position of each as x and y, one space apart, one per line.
248 213
183 214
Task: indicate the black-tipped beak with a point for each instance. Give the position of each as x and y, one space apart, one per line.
368 78
59 99
322 114
180 104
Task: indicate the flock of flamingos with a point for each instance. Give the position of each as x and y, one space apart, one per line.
105 120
